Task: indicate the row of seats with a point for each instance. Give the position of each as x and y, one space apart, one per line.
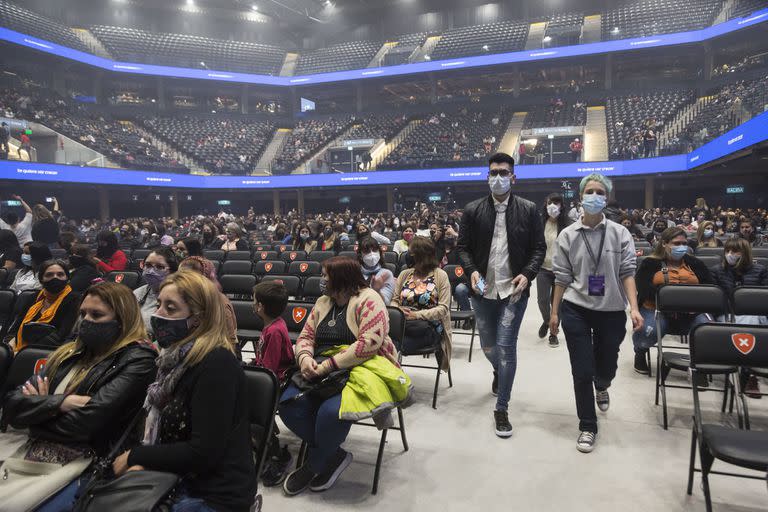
307 137
27 22
557 113
378 126
499 37
190 51
650 17
746 7
338 57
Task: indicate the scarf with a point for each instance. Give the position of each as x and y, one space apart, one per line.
46 316
170 368
370 272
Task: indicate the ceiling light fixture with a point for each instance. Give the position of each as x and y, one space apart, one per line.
255 8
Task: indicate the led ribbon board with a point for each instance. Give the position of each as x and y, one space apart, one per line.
694 36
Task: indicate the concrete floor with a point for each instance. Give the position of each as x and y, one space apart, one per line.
456 462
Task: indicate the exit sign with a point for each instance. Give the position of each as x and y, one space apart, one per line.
735 189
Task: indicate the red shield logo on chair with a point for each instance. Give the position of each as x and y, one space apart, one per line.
384 247
279 281
459 271
39 365
299 314
119 278
268 267
292 256
743 342
263 255
303 267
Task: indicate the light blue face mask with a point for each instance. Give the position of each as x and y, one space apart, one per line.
593 203
26 259
678 251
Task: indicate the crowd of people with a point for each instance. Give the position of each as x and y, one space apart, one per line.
170 346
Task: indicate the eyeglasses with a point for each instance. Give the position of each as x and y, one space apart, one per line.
155 267
499 172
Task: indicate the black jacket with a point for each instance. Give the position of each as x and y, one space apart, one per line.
204 435
117 387
728 279
64 320
46 231
82 277
525 236
649 267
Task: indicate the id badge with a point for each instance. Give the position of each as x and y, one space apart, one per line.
596 286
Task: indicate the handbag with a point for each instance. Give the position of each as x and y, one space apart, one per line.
420 334
323 389
134 491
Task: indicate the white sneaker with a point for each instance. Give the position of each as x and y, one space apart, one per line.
603 400
586 441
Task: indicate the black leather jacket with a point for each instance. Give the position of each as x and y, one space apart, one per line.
117 387
525 236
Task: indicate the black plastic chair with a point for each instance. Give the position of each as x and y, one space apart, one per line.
305 269
262 268
709 251
709 260
291 283
295 316
27 362
348 254
238 286
751 300
266 256
726 345
311 290
686 299
321 256
214 254
249 324
239 256
236 267
7 302
290 256
263 391
124 277
457 276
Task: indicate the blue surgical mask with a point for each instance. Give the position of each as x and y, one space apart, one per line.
708 233
678 251
593 203
26 259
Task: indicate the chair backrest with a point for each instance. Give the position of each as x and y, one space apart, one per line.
3 277
262 392
760 252
216 266
6 359
691 298
750 300
266 256
390 257
295 315
140 254
396 325
236 267
27 362
59 254
392 268
262 247
402 260
709 251
213 254
321 256
456 275
239 256
305 268
245 316
7 301
291 283
241 285
261 268
348 254
280 248
125 277
311 290
730 345
291 256
710 261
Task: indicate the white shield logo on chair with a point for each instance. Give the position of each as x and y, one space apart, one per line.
299 314
743 342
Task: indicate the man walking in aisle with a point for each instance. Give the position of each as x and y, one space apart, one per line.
501 246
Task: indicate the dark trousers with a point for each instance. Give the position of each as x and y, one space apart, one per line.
593 339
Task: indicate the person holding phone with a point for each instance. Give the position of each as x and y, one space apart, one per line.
501 246
594 266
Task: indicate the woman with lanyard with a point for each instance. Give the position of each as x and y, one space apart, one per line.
594 266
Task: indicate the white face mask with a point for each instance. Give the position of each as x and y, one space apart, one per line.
732 258
500 185
553 210
371 259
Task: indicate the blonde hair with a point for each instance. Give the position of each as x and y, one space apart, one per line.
122 302
206 305
710 242
40 212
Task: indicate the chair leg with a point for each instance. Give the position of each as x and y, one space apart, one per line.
648 361
450 378
725 393
401 421
437 383
378 462
706 465
663 399
302 456
692 463
658 377
472 341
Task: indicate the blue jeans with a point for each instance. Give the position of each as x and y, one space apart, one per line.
461 293
64 500
593 339
498 323
647 336
317 423
186 503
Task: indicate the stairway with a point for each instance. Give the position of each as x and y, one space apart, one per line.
683 117
264 165
305 168
379 57
535 35
289 64
157 142
425 50
725 11
591 31
13 152
595 136
93 44
510 141
382 152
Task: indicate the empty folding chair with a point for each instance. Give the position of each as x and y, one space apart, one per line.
249 324
262 394
238 286
750 301
236 267
239 256
726 345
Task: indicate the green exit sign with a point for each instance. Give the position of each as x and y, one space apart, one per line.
735 189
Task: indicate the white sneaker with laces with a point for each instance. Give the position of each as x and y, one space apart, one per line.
586 441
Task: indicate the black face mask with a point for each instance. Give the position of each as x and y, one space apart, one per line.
169 330
98 336
207 235
55 285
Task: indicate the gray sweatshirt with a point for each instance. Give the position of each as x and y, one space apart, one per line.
573 265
